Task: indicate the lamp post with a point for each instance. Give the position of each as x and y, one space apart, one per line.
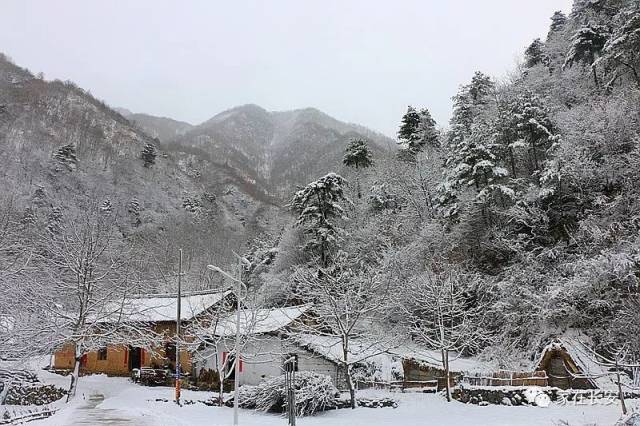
236 350
178 315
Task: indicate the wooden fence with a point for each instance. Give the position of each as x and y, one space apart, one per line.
507 378
399 385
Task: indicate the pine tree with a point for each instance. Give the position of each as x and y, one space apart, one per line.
149 154
471 156
134 211
621 53
467 104
409 127
558 22
480 88
533 126
106 207
317 205
54 219
66 155
534 54
586 45
357 155
417 131
427 133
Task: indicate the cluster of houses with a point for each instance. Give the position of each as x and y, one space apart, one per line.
272 336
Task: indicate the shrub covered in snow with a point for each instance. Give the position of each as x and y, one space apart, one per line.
314 392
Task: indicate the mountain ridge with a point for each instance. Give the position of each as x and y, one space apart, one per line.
277 150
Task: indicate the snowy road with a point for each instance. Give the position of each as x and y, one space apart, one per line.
105 400
92 414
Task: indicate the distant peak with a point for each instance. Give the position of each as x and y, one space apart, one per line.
123 111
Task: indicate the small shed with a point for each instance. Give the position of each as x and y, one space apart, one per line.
423 367
570 364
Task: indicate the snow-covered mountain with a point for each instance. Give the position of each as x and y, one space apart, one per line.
163 128
274 151
62 148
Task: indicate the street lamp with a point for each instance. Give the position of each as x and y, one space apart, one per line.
236 351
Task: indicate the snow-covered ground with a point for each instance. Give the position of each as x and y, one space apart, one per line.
127 403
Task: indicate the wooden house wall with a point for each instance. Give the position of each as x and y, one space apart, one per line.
419 375
117 362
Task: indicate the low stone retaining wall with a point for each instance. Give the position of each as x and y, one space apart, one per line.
517 395
497 396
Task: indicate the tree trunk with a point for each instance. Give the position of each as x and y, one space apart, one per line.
595 76
352 390
347 372
221 388
445 362
513 162
620 393
74 377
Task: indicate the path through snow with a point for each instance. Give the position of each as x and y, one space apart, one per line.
92 414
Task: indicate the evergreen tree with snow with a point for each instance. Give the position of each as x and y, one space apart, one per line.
357 155
586 45
533 127
149 154
417 131
534 54
66 156
106 207
621 52
318 208
473 155
409 127
428 135
558 22
481 87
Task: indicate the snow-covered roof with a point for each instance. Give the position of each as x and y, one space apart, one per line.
330 347
424 356
592 368
158 308
259 321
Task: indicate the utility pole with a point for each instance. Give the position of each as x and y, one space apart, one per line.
236 351
178 329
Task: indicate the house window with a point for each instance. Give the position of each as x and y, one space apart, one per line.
291 362
102 354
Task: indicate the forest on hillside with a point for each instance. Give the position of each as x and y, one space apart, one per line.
527 205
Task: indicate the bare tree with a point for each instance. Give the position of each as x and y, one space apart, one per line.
79 291
439 315
350 303
219 330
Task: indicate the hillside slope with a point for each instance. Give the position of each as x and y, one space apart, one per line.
42 123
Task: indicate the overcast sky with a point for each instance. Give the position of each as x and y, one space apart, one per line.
359 61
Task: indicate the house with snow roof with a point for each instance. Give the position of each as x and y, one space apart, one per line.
266 343
158 313
271 336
